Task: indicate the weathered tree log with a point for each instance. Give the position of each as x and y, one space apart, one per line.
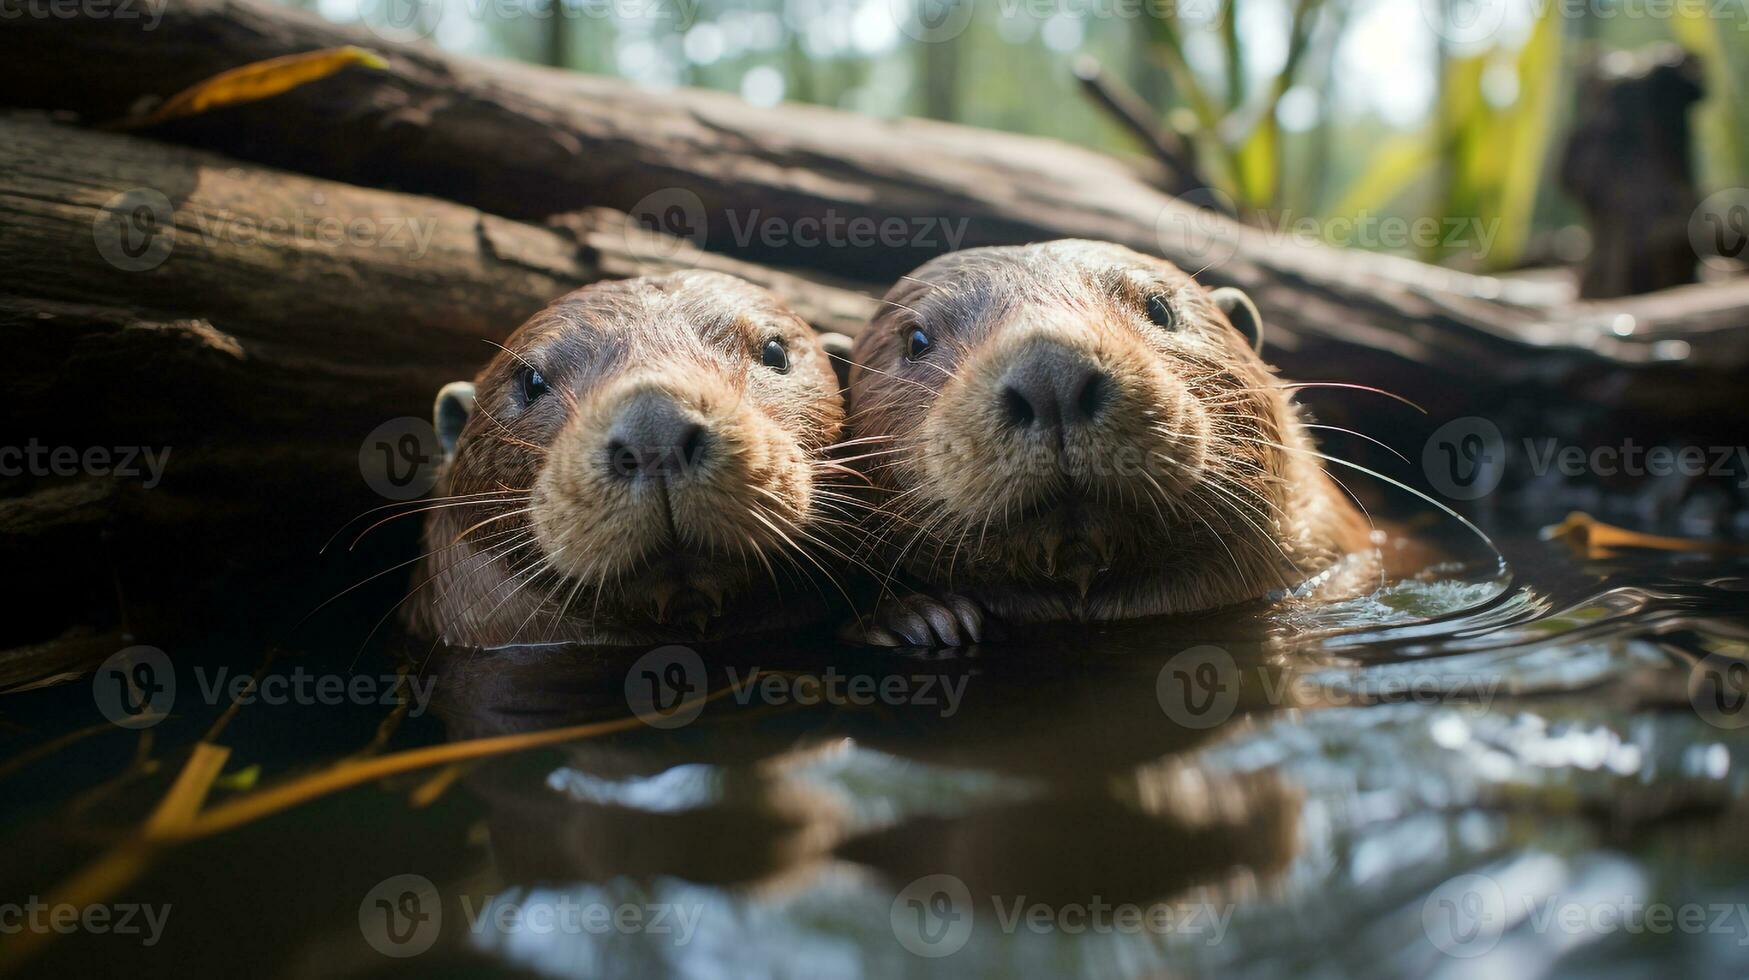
530 142
254 324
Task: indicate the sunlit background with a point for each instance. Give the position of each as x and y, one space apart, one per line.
1297 108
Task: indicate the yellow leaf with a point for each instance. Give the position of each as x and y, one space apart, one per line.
261 80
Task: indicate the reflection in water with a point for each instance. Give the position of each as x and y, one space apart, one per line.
1466 772
1455 774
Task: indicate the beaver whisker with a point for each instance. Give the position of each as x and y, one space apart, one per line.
564 607
418 506
902 306
1488 542
520 581
464 613
1359 435
1240 513
509 434
489 520
888 374
483 557
537 607
1296 385
423 510
1247 542
366 581
863 440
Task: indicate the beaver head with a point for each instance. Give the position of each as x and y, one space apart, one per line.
642 460
1077 430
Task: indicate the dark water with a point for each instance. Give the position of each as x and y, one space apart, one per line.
1471 772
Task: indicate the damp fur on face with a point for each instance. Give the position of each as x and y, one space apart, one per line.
1191 456
571 537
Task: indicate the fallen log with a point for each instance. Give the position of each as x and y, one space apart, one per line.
531 142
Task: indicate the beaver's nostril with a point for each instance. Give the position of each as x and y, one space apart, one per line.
1016 410
654 438
1051 386
1095 395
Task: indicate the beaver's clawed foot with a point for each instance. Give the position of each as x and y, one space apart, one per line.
934 621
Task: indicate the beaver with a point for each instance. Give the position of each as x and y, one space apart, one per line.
644 460
1075 431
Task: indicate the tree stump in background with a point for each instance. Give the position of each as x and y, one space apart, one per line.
1629 164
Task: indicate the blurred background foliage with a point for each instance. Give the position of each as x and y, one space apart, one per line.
1293 109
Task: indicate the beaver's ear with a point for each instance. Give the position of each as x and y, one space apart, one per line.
455 402
838 352
1241 313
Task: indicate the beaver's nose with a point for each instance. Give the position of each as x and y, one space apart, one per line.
653 437
1050 386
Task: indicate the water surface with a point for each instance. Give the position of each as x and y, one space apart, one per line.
1473 771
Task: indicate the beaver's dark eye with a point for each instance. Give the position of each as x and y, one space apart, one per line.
1160 311
773 356
917 344
533 385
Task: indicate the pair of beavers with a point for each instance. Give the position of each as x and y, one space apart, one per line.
1063 431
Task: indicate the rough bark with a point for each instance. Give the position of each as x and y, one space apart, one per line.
530 142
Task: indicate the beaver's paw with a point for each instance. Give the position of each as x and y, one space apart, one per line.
946 620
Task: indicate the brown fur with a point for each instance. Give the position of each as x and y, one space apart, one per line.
1196 490
552 548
